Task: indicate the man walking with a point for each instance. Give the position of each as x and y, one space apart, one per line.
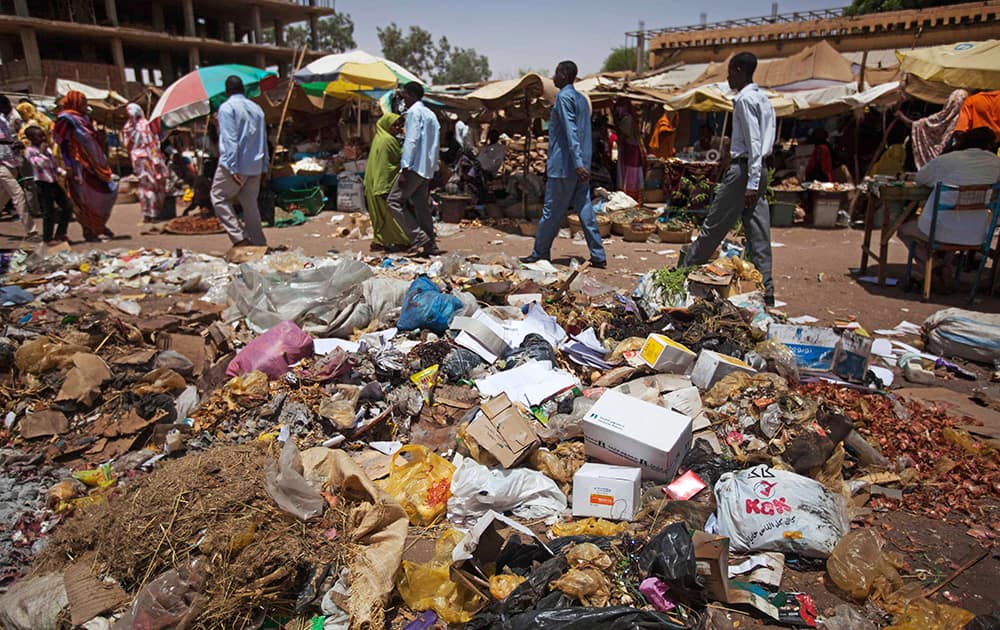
741 193
417 167
568 170
10 158
242 160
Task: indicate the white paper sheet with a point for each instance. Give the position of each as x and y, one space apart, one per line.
530 383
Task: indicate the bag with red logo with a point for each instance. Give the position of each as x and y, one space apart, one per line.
763 509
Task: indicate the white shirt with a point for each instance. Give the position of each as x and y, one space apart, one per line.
753 131
958 168
420 147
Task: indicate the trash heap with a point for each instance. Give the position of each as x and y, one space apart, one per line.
196 442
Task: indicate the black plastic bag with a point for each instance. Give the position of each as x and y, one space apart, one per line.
533 348
459 362
985 622
576 618
669 555
706 463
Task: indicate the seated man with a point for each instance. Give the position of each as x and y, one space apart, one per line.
973 162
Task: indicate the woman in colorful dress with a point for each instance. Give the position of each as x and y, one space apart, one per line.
631 155
148 163
89 183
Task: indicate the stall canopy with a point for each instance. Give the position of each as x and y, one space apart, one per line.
816 66
840 99
968 65
503 94
718 97
65 86
347 75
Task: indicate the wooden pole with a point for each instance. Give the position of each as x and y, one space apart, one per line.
288 98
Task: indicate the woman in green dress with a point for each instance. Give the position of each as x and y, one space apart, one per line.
380 174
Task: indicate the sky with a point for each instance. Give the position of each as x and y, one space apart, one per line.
536 34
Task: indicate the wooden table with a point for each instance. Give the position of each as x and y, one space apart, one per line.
881 195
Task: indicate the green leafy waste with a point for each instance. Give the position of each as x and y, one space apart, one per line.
670 282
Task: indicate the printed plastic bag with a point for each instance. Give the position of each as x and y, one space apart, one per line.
288 487
420 480
763 509
475 490
429 586
860 568
172 600
426 307
273 352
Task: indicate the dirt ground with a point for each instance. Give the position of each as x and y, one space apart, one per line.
812 270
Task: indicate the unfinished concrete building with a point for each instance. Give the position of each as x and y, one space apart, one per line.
124 44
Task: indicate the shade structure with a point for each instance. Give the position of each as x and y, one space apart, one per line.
500 94
968 65
717 97
199 93
350 74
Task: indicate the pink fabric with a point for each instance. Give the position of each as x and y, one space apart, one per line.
273 352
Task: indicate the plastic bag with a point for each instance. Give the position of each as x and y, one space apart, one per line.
706 463
42 354
533 348
421 481
984 622
566 426
589 526
288 487
860 568
429 586
425 306
576 618
590 586
475 490
459 363
669 555
34 603
846 618
764 509
502 585
172 600
781 356
913 611
273 352
560 464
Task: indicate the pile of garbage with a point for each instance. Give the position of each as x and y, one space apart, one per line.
196 442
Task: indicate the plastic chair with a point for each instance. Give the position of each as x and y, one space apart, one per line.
978 198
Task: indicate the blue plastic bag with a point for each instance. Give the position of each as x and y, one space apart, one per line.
425 306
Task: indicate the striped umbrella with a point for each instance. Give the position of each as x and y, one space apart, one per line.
350 74
199 93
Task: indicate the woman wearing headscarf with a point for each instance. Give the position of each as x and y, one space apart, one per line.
148 163
931 133
380 173
631 156
89 183
31 116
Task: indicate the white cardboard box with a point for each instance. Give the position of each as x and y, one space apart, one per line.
604 491
712 367
625 431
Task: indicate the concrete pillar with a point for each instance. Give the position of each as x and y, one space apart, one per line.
21 8
314 31
32 58
255 23
118 55
167 67
189 18
194 58
279 33
159 19
229 31
111 8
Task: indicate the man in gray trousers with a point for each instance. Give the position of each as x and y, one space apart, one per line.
741 193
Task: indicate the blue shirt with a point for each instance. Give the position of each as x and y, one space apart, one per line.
242 137
420 147
570 145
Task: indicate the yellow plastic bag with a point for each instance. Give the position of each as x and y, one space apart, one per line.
429 586
588 527
913 611
420 480
503 585
860 568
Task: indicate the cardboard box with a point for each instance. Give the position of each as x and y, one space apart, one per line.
851 362
663 354
625 431
711 367
611 492
815 347
503 432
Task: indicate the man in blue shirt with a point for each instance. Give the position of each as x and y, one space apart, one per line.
242 161
416 168
568 170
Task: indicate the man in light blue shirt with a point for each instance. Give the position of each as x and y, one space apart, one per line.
242 161
741 193
568 170
417 167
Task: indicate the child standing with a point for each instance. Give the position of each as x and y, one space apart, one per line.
55 205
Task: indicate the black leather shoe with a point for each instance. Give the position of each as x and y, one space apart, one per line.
531 259
598 264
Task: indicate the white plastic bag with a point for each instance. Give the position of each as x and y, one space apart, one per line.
288 487
762 509
475 490
953 332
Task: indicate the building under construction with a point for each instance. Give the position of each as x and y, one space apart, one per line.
121 44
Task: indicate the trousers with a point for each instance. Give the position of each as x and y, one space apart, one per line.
224 190
560 194
56 210
12 189
726 208
418 224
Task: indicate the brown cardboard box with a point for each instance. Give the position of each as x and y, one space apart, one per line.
503 432
711 554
